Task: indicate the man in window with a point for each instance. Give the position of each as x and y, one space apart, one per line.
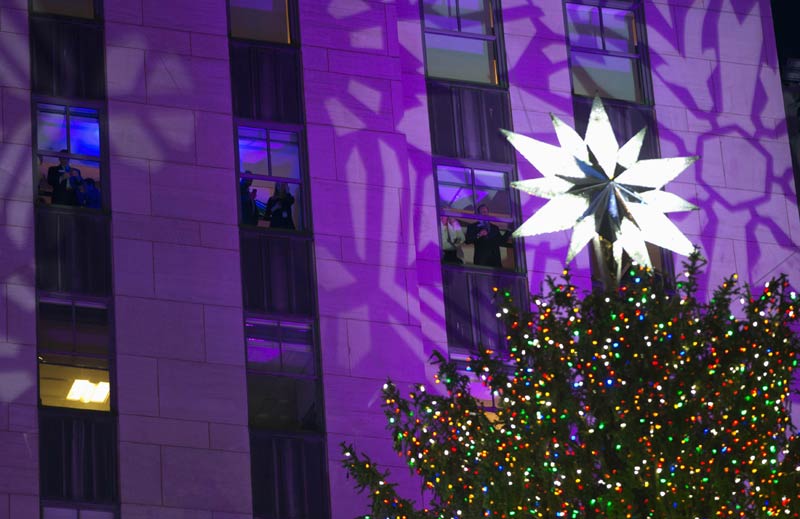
65 181
487 239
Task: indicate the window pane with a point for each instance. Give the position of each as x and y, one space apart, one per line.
618 30
445 131
456 199
297 346
283 403
460 58
91 330
441 14
470 307
475 16
67 59
607 76
458 308
72 253
490 190
263 354
497 113
452 239
54 327
84 132
583 26
288 476
284 154
271 204
66 181
49 512
453 174
490 179
264 20
75 8
276 274
78 457
488 244
51 128
253 157
73 386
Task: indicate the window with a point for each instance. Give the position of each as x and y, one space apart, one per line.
476 219
270 178
72 252
73 8
77 461
262 20
68 152
471 307
280 346
466 122
606 51
289 476
461 41
67 56
265 83
283 403
73 347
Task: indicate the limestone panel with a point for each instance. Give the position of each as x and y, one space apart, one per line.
163 329
202 392
211 480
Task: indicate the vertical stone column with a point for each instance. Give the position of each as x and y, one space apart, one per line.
184 448
19 439
371 182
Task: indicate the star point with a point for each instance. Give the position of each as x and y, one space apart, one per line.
598 188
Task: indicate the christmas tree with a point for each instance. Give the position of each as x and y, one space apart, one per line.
632 402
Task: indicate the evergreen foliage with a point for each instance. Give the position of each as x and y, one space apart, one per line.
628 403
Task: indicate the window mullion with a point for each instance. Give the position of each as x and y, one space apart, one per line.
602 28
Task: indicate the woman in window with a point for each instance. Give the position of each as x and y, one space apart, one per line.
278 211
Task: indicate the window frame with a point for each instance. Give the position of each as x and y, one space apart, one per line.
97 8
293 12
497 38
102 159
303 436
60 22
94 416
457 93
513 222
475 325
306 230
640 59
74 302
314 332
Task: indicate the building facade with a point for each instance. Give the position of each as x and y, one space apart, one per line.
226 222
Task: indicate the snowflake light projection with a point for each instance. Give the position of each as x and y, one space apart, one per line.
601 190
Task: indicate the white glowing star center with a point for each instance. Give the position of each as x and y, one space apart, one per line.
599 189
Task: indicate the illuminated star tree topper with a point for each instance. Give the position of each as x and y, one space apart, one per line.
602 190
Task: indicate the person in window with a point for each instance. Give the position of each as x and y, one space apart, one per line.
248 202
279 207
64 180
88 194
452 239
487 239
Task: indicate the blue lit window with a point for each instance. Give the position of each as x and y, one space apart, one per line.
68 154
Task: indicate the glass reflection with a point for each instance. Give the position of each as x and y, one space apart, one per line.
459 58
71 182
269 203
